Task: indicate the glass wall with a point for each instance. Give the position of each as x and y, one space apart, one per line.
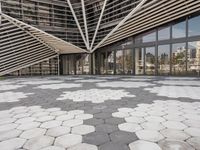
178 59
139 61
179 30
193 26
110 69
150 61
128 61
193 66
103 62
164 59
119 62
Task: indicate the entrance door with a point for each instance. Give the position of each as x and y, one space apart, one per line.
150 61
139 61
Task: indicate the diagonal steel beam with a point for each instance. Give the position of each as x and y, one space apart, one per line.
138 7
85 21
77 23
98 24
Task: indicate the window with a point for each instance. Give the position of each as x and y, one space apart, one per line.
163 59
178 58
110 62
194 57
119 62
128 62
164 33
179 30
139 61
150 60
193 26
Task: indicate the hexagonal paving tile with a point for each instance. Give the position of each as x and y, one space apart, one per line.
193 131
149 135
174 134
68 140
28 134
39 142
174 125
129 127
58 131
152 126
195 142
174 144
12 144
143 145
84 146
83 129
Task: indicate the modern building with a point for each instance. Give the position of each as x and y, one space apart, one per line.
103 37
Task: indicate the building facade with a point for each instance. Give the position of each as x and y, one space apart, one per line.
106 37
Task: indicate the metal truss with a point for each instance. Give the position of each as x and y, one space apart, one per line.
138 7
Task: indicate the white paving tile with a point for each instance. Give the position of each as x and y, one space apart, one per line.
144 145
12 144
13 96
129 127
195 142
149 135
51 124
174 134
39 142
95 95
193 131
72 122
58 131
83 129
32 133
59 86
174 125
6 135
68 140
84 146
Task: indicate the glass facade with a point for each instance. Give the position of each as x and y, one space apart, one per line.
171 49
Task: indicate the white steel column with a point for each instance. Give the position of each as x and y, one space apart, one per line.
77 23
98 24
85 21
138 7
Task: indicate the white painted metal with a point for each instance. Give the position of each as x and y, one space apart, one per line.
85 21
98 24
66 48
138 7
77 23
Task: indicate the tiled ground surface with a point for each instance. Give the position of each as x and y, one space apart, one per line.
100 113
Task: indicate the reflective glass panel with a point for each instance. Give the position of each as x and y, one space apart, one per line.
194 26
139 61
164 33
178 58
194 57
149 37
110 62
103 61
150 60
163 59
119 62
128 61
71 65
86 63
79 66
179 30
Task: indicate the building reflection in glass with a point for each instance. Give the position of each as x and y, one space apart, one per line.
103 62
193 66
150 60
178 58
139 61
110 69
128 61
119 62
164 60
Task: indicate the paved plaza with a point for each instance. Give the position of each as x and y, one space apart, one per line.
100 113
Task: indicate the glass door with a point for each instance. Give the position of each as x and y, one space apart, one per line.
139 61
150 61
164 59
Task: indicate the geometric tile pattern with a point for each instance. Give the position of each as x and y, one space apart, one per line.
121 117
176 91
12 96
178 82
123 84
59 86
10 87
159 123
95 95
37 128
